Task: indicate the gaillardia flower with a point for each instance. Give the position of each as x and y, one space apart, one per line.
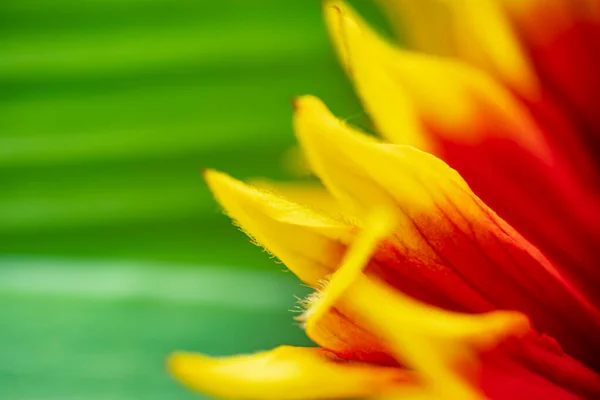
469 278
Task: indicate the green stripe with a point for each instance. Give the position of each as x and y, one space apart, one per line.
125 280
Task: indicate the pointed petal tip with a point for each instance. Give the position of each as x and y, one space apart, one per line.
239 200
317 128
498 326
517 322
338 12
370 61
332 6
208 174
348 32
206 375
345 159
223 185
285 372
184 366
312 119
282 227
174 360
308 103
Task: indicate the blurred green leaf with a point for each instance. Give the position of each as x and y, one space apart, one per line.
110 244
93 330
109 110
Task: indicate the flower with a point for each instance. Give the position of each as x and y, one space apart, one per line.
428 285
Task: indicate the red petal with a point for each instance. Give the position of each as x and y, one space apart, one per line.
563 38
537 198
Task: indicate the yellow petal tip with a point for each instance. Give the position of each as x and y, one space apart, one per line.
343 24
313 120
176 362
231 193
333 9
214 178
285 372
189 369
312 107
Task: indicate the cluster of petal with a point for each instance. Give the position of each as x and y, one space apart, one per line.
466 116
414 270
427 287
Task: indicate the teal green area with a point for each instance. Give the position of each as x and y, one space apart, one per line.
109 110
102 330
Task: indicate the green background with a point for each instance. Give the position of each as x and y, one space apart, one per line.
112 251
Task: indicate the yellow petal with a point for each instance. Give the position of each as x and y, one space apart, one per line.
427 25
379 224
308 243
480 34
405 91
310 194
394 116
358 170
486 39
286 373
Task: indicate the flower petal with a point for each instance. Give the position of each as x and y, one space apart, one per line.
425 25
440 91
542 355
442 225
343 331
309 243
503 378
480 34
379 225
563 38
484 36
347 338
410 329
440 346
403 127
310 194
476 125
432 341
286 373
